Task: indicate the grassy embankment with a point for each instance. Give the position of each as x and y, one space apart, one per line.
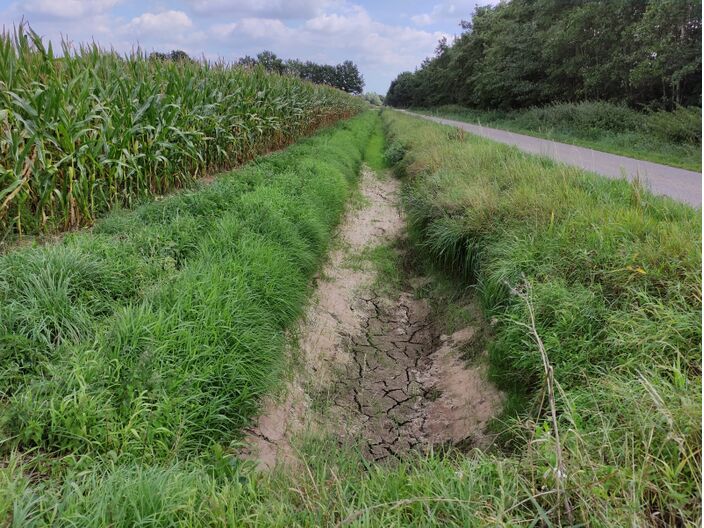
613 275
139 349
91 130
671 138
616 290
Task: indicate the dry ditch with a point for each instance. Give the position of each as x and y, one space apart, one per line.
389 381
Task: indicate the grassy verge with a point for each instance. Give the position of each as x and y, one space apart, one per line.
613 275
146 343
670 138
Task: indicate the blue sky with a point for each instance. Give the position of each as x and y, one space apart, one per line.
382 37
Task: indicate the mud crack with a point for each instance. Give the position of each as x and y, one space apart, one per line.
390 383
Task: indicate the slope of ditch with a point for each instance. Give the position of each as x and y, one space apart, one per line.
373 368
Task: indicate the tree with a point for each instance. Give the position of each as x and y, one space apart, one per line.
271 62
521 53
373 98
179 56
667 59
348 78
344 76
247 61
173 55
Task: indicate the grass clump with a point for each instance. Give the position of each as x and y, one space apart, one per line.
152 337
672 138
615 284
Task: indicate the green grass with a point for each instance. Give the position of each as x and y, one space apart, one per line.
92 130
670 138
615 276
616 285
373 154
152 337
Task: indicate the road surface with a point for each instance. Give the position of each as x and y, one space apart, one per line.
680 184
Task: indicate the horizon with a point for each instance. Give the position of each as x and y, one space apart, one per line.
383 39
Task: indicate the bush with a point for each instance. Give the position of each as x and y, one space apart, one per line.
584 116
683 125
394 153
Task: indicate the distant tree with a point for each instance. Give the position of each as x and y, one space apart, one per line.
348 78
344 76
402 92
373 98
173 55
271 62
247 61
179 55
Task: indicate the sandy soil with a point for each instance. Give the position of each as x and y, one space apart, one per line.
393 384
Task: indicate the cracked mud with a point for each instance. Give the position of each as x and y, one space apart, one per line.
383 384
391 383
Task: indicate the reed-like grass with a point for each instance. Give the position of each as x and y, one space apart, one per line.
615 286
90 129
153 335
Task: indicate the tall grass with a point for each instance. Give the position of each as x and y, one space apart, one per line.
615 277
673 138
91 129
152 336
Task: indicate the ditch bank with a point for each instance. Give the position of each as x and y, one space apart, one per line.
374 369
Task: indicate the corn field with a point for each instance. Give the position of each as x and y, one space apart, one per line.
90 129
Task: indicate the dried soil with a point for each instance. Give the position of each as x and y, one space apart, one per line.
392 382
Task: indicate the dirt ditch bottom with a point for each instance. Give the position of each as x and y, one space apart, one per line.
388 381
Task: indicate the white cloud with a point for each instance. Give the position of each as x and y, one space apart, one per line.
66 9
354 19
255 28
422 20
265 9
166 22
354 32
457 10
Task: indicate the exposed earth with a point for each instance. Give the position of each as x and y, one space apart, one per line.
373 368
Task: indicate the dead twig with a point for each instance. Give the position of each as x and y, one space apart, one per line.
525 293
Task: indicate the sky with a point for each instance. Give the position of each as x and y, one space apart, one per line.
383 38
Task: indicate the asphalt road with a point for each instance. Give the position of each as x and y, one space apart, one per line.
680 184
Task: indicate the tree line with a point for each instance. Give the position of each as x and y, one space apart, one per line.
344 76
525 53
